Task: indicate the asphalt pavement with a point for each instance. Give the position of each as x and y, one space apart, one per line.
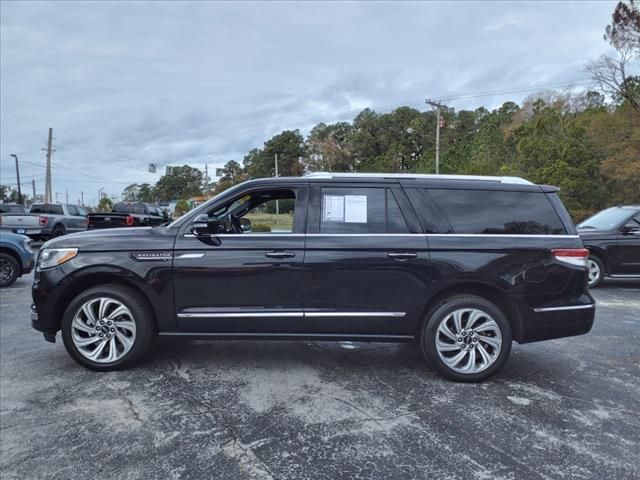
562 409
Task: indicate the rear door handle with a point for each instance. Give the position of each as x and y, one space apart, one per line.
280 254
400 256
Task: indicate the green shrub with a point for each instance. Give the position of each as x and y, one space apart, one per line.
260 227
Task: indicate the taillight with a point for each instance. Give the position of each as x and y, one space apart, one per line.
572 256
42 220
129 220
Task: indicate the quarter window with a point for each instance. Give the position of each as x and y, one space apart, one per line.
498 212
360 210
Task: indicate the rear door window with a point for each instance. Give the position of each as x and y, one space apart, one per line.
498 212
72 210
360 210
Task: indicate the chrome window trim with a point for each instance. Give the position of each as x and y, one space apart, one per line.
563 308
463 235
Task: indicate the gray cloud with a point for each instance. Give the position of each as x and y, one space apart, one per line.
126 83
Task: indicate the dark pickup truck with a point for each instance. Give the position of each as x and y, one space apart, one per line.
128 215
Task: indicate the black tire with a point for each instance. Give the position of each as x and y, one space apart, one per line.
599 265
58 231
9 270
142 317
440 312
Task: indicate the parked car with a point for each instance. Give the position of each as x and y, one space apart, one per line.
128 215
11 208
613 239
16 257
462 265
47 220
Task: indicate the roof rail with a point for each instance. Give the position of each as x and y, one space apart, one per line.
329 175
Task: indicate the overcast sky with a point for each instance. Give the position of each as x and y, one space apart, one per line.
128 83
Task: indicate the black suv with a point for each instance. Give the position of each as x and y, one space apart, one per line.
613 239
462 265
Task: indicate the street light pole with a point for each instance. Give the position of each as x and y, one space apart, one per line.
277 204
18 176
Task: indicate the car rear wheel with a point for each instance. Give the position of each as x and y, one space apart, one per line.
596 271
9 270
467 338
58 231
107 328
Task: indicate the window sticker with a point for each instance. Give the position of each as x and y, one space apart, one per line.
355 208
333 208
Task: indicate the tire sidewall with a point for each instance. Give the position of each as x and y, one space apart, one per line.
58 231
437 314
15 269
141 317
597 261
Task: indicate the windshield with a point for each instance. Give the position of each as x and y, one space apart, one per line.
607 219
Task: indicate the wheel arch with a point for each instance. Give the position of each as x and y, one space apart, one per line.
90 280
12 253
602 256
496 296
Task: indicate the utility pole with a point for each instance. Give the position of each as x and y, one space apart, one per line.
206 180
66 195
33 185
47 180
436 106
100 194
277 204
82 198
18 175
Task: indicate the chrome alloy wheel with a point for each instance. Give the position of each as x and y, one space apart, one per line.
594 271
103 330
468 340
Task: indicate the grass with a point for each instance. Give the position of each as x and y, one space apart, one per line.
284 221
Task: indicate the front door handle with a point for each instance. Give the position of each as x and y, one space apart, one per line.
400 256
280 254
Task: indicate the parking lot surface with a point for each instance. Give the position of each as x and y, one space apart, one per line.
193 409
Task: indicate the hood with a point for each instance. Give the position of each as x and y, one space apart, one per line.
117 239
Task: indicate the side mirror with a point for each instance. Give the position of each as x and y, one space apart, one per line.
200 226
630 229
245 225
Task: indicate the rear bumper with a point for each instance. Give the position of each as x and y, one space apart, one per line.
557 321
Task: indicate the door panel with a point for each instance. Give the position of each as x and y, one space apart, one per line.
352 285
242 282
372 282
236 286
628 251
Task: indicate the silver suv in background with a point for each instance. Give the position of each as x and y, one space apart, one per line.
46 220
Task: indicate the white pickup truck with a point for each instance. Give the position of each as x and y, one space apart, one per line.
46 220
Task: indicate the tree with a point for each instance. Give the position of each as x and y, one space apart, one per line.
182 182
624 29
290 148
105 205
145 193
182 207
131 193
611 73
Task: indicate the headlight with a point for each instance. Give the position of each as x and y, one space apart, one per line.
27 245
52 257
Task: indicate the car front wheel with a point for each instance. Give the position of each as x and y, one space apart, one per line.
107 328
467 338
